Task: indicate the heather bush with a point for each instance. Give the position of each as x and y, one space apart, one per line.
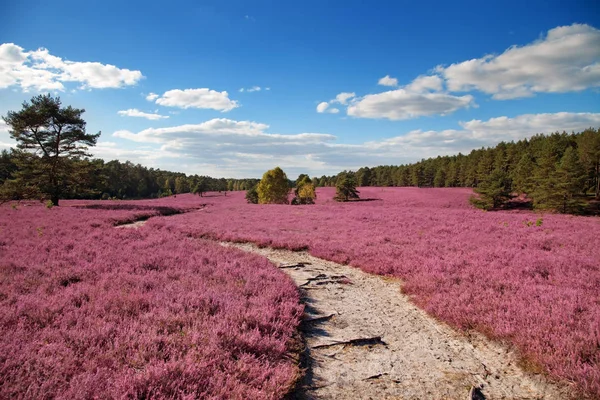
90 311
509 274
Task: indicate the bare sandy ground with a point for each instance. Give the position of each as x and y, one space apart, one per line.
366 340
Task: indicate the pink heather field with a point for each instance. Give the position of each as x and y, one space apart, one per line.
91 311
530 280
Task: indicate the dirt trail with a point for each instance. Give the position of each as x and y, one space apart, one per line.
365 340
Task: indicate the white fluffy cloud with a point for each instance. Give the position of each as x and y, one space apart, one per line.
152 96
39 70
388 81
403 104
323 107
343 97
567 59
197 98
424 96
134 112
224 147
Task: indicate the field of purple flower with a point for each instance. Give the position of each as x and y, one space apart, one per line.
520 277
90 311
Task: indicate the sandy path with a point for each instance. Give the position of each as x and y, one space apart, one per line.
365 340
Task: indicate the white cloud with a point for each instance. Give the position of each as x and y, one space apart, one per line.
39 70
388 81
567 59
252 89
152 96
402 104
134 112
343 97
424 83
198 98
323 107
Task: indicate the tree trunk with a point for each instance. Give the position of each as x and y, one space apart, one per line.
54 200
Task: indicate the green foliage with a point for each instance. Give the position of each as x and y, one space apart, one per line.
252 195
273 187
305 191
493 191
51 138
521 174
559 184
49 204
539 221
588 145
345 189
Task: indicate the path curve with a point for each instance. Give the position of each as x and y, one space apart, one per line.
366 340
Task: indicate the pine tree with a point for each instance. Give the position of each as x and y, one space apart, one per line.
522 174
589 152
346 188
569 180
493 191
52 139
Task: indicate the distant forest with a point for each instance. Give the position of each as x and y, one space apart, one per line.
117 180
553 170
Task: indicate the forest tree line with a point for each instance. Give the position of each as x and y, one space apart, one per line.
556 171
126 180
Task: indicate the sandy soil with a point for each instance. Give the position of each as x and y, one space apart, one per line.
366 340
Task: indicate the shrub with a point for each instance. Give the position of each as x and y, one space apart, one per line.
252 195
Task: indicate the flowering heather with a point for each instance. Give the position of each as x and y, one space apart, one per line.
89 311
525 278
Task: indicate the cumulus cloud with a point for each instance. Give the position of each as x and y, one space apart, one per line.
403 104
224 147
197 98
567 59
343 97
388 81
424 96
323 107
134 112
39 70
152 96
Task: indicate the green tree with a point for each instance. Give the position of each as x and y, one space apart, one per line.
544 178
588 145
273 187
493 191
522 174
345 189
181 185
569 181
305 191
50 138
252 195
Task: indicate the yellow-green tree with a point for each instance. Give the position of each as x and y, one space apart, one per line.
305 191
273 187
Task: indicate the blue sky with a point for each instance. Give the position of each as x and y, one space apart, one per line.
343 84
